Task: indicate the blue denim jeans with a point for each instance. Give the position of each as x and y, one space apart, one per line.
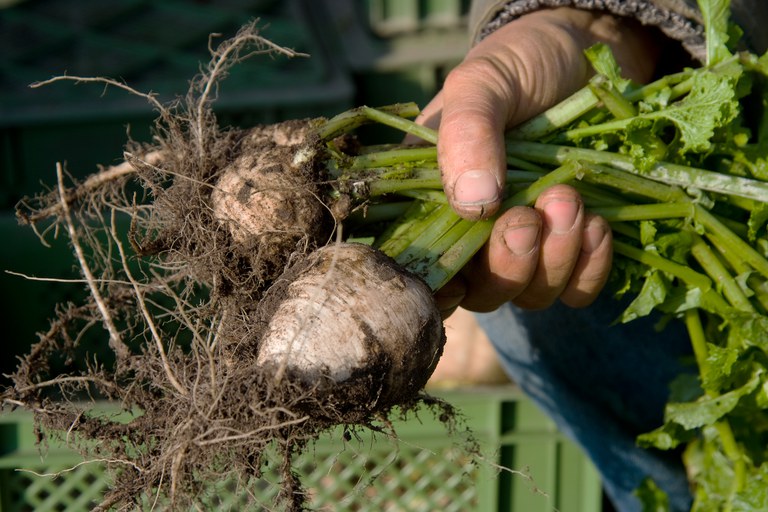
603 383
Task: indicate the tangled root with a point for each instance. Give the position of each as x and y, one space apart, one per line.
175 273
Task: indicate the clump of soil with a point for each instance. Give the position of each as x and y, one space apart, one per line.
176 272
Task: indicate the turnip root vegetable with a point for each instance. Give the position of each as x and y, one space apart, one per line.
268 199
354 322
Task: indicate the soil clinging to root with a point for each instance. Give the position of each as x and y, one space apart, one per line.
176 268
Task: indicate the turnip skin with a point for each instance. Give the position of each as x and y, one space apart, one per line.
353 317
268 199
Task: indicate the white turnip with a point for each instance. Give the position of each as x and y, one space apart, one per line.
268 197
354 322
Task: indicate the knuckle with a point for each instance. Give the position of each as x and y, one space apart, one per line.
477 69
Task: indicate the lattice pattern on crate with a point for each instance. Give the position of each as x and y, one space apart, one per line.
403 478
391 477
75 489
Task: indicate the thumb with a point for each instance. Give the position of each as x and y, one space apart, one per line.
513 74
471 143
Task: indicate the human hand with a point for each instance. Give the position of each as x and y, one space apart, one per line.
555 249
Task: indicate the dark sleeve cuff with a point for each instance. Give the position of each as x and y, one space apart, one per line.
679 21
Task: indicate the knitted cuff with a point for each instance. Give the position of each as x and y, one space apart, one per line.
674 25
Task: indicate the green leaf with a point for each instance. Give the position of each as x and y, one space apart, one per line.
748 330
685 387
653 293
707 410
602 60
626 277
743 281
761 397
652 498
648 232
674 246
645 148
720 363
716 14
680 299
755 495
710 104
757 219
667 437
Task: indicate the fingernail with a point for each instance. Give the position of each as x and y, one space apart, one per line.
562 215
522 240
475 188
593 238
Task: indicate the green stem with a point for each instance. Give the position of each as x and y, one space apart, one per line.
562 114
628 230
698 341
617 105
668 81
720 275
397 121
379 212
425 249
730 239
379 187
733 452
567 172
453 258
710 299
628 183
652 260
672 174
640 212
754 282
524 165
382 187
614 125
430 255
404 232
433 196
422 175
598 197
393 157
524 176
584 100
356 117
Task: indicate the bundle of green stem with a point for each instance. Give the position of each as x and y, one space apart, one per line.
678 168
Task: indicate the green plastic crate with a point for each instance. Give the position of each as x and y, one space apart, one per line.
391 18
397 50
427 470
